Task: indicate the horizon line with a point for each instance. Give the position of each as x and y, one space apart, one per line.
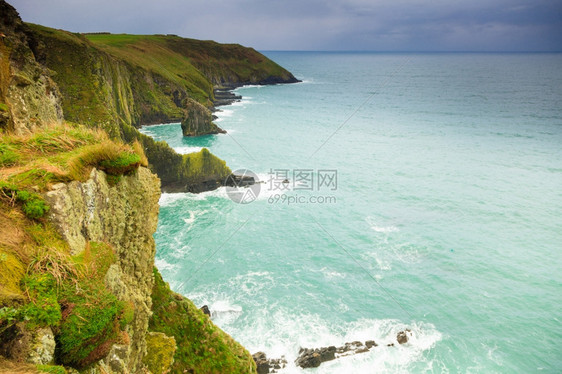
406 51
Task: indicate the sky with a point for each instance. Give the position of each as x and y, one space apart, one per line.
370 25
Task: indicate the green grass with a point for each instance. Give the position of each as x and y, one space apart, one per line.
51 369
43 308
152 53
32 204
8 155
3 107
93 317
64 153
113 158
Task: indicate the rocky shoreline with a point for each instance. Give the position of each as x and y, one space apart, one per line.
314 357
224 96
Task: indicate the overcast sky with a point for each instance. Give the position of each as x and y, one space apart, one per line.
381 25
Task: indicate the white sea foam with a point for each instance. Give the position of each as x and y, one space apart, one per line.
186 150
385 228
330 274
168 199
224 113
146 132
382 264
162 265
380 228
191 218
247 86
283 333
144 128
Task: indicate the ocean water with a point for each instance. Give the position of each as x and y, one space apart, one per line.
435 205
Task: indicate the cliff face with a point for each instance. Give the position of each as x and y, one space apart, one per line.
124 216
28 97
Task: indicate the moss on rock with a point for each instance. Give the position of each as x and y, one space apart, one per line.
160 350
12 271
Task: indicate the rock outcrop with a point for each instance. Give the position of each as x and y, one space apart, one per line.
199 121
28 96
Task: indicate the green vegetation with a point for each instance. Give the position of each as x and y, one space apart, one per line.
151 53
179 58
93 316
178 172
41 284
33 204
201 346
8 156
43 308
3 107
64 292
113 158
160 350
60 154
51 369
120 82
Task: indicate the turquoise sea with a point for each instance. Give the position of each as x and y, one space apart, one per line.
445 217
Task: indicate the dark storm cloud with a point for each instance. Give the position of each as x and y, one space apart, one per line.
503 25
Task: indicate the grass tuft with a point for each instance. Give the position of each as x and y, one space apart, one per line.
8 155
33 205
113 158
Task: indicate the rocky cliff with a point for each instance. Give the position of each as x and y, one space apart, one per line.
78 208
28 96
124 217
122 82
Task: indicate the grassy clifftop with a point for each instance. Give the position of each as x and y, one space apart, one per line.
188 59
121 82
145 79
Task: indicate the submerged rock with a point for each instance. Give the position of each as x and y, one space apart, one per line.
235 180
